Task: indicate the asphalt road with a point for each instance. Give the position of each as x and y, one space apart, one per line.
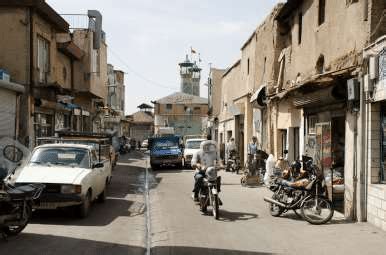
118 226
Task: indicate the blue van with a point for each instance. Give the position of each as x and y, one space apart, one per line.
165 151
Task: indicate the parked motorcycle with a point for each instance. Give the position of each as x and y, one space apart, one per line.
233 163
209 193
306 195
15 202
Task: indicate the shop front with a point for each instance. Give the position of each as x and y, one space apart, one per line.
375 135
324 113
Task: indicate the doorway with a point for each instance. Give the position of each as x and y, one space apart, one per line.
329 157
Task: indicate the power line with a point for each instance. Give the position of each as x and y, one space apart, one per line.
131 70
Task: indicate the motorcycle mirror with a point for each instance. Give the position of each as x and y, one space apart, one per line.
12 153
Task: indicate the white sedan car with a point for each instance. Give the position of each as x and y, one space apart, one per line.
72 174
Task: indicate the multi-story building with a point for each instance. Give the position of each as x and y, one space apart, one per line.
243 104
315 104
90 73
36 57
115 100
185 111
214 101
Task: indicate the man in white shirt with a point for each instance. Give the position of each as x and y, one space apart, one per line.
207 156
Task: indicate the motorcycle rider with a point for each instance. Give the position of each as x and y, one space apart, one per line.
206 157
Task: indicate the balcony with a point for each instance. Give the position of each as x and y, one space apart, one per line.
80 21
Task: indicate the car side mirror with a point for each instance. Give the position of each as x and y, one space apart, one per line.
98 165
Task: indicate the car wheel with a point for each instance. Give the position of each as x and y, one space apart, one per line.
84 208
102 196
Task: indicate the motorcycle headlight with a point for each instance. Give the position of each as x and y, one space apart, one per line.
70 189
211 173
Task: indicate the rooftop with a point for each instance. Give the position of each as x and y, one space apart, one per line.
182 98
42 8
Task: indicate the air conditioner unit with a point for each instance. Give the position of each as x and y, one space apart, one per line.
373 67
353 90
367 84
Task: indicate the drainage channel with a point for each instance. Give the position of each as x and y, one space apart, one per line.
148 220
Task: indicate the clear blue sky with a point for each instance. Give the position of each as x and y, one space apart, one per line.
148 38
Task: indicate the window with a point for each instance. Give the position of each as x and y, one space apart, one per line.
312 119
300 30
95 62
197 110
43 59
248 66
169 107
322 12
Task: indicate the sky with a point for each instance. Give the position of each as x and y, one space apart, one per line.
148 38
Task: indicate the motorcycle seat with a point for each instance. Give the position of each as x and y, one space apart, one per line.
21 192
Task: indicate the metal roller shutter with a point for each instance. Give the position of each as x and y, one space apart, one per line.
7 113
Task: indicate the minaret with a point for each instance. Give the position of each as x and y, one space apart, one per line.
190 77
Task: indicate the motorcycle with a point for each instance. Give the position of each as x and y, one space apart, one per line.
15 202
233 163
209 193
306 195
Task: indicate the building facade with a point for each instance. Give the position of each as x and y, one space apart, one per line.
140 125
185 111
62 67
115 105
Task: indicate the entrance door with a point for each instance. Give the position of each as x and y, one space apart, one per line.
329 157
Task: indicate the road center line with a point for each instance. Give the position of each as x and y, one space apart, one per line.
148 223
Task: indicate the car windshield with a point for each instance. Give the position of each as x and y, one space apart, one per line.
166 145
74 157
193 144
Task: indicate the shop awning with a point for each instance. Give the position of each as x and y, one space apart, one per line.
12 86
325 96
258 99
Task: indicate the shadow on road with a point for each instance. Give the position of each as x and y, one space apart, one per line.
35 244
228 216
183 250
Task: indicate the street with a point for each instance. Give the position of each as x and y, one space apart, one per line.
178 227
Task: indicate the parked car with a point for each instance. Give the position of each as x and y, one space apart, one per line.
145 145
73 175
165 151
191 146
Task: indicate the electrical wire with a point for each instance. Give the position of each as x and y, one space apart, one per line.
142 77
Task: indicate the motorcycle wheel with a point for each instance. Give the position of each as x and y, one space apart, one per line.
317 211
215 207
203 204
15 230
275 210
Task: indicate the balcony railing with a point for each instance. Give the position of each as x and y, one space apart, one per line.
79 21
